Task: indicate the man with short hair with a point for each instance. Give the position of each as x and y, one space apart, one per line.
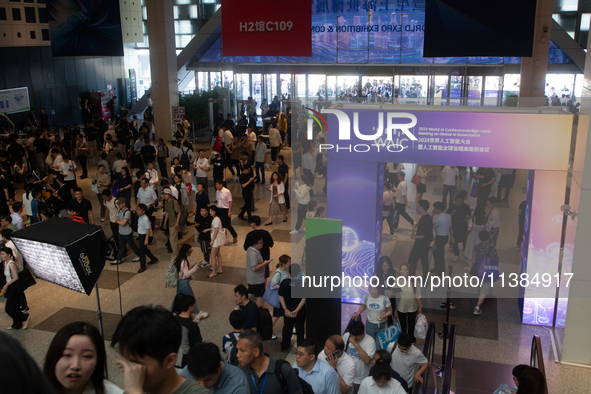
224 202
111 213
147 340
323 378
16 215
450 176
443 233
80 207
152 175
247 184
174 151
406 357
202 223
201 198
460 216
184 309
402 200
210 371
249 309
260 160
202 167
255 224
294 310
62 195
334 354
283 170
125 232
423 238
171 220
309 167
147 196
6 222
255 269
362 348
483 250
229 341
259 367
144 229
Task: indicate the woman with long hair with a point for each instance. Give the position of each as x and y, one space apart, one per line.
76 361
125 184
12 291
183 267
531 381
277 201
409 302
217 240
387 276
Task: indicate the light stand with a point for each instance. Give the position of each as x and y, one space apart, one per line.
99 314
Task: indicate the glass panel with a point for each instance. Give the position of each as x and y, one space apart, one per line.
474 91
579 81
456 90
317 87
202 81
270 86
559 88
215 79
511 83
565 5
347 88
300 86
440 92
331 82
285 85
451 60
228 79
242 86
377 89
492 86
413 89
257 94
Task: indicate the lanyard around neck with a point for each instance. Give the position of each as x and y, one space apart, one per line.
255 384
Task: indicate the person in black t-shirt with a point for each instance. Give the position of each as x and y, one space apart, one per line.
4 200
148 152
183 307
62 196
460 216
486 177
423 237
255 223
283 170
248 307
218 165
81 207
247 183
203 227
295 310
521 224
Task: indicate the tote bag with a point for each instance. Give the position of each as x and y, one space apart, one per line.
474 190
416 179
486 267
272 296
389 335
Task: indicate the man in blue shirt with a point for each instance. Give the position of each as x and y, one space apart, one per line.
207 368
144 229
319 374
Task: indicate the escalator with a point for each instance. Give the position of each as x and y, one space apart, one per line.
537 358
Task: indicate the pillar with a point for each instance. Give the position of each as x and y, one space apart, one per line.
576 344
534 69
162 64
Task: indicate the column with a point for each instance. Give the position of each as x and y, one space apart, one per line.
534 69
162 65
576 346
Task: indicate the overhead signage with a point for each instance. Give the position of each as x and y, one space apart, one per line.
14 100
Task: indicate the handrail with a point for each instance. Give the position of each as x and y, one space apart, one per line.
537 358
450 360
428 352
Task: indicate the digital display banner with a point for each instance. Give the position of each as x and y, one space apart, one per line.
14 100
266 28
476 139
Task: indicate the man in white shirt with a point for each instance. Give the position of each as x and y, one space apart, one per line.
317 373
152 175
227 139
224 202
362 348
450 176
334 354
309 167
402 200
443 234
261 160
201 166
406 357
252 137
175 151
118 164
111 213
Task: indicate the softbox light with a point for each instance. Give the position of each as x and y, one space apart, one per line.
64 252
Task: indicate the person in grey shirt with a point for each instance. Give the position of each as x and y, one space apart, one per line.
206 367
255 269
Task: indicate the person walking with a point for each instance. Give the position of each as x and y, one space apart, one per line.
408 302
218 239
277 201
162 155
423 238
224 204
185 271
144 229
247 184
125 233
402 200
493 221
450 176
443 234
261 160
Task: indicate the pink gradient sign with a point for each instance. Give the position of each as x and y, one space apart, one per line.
498 140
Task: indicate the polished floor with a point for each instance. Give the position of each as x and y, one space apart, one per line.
497 336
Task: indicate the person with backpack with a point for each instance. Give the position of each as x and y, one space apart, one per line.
206 368
186 156
323 378
229 341
185 274
125 231
265 374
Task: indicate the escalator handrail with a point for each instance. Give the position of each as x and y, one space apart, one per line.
428 352
537 357
449 361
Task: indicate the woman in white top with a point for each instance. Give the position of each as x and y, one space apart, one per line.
381 381
408 303
277 201
186 272
217 240
76 361
493 221
12 291
279 276
423 173
378 309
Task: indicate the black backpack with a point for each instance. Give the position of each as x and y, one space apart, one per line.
233 356
133 221
306 388
265 327
184 159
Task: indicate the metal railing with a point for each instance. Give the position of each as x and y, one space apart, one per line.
449 362
428 352
537 358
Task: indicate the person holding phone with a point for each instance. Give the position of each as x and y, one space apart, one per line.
334 354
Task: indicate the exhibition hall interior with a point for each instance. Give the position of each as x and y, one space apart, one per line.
387 195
